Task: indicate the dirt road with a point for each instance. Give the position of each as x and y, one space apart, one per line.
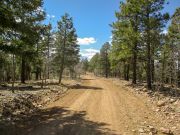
95 107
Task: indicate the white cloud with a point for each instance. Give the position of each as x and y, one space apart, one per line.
88 53
86 41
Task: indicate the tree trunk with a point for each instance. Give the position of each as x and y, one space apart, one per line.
61 73
162 71
152 71
28 72
62 59
23 69
152 64
106 65
134 64
37 73
37 67
124 71
13 73
127 72
171 70
149 83
48 44
135 53
178 72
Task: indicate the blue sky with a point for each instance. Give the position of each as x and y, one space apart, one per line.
91 19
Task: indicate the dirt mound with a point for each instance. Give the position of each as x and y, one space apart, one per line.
15 107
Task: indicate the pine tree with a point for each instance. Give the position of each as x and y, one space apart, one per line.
94 64
126 34
174 42
104 59
67 47
20 28
152 19
138 27
85 64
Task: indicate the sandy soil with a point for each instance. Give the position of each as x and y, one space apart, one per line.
95 107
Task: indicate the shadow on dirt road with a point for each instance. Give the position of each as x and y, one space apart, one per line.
57 121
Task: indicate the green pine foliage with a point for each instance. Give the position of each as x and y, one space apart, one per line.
67 48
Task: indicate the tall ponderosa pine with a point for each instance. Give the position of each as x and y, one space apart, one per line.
138 27
126 36
67 47
152 23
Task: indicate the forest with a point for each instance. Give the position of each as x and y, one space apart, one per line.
30 49
142 50
130 86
